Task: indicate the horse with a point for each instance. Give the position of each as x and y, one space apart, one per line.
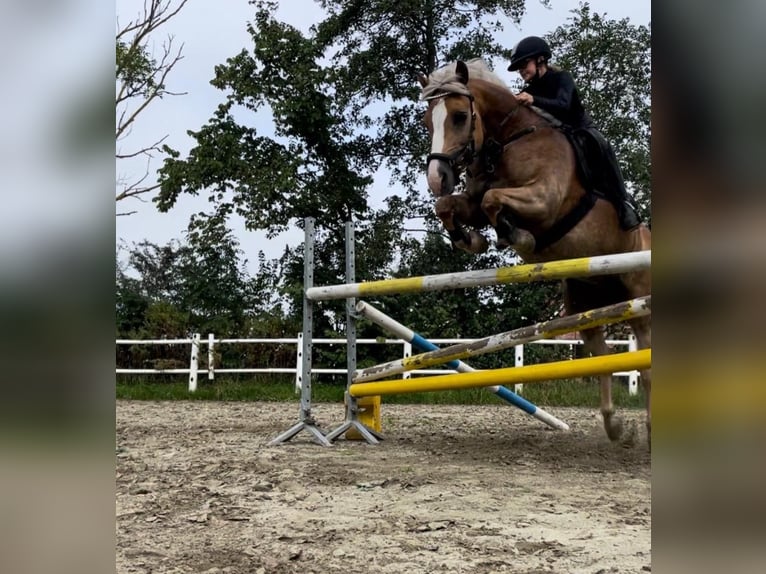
522 179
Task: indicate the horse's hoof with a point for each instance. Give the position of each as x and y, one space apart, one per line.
479 243
613 427
502 243
629 438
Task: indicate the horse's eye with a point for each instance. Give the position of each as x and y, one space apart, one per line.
459 118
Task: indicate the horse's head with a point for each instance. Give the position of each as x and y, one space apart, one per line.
452 122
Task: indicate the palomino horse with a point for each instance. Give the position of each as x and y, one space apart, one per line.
522 178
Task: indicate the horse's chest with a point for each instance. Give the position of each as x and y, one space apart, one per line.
477 185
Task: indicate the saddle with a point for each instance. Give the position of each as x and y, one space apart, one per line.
593 156
593 161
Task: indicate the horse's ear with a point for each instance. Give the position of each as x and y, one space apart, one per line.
462 71
423 79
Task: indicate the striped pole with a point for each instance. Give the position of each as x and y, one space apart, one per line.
569 268
385 322
545 330
529 374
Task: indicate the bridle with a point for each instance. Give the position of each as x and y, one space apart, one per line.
492 149
462 157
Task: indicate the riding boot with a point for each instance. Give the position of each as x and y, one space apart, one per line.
613 184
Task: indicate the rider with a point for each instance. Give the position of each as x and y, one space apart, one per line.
554 91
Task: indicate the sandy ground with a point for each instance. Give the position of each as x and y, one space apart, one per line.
451 489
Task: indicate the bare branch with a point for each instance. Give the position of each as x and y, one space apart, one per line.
144 151
140 80
158 90
134 191
154 16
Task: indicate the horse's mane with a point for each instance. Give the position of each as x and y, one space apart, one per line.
445 79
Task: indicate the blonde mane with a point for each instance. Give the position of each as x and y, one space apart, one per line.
445 80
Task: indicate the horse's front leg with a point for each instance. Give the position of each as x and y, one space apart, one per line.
454 211
502 205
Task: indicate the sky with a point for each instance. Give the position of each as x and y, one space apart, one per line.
210 35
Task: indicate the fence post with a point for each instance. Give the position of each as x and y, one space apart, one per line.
633 376
193 363
518 361
407 353
210 356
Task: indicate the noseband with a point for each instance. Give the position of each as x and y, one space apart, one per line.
464 156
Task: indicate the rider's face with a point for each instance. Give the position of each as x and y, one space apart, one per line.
528 69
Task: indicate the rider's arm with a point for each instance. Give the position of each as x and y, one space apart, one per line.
562 102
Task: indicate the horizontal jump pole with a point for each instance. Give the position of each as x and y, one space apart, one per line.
547 329
582 267
392 326
530 374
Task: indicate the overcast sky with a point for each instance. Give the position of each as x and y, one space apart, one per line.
211 32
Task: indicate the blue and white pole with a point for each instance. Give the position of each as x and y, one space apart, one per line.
385 322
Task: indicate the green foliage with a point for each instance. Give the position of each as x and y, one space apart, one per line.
324 92
379 46
200 286
135 68
314 166
344 102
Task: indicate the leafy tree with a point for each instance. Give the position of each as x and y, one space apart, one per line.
202 284
314 166
199 286
324 92
379 46
131 303
330 133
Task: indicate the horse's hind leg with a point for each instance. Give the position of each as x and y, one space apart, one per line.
594 342
643 331
457 210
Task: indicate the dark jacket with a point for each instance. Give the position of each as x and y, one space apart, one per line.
555 92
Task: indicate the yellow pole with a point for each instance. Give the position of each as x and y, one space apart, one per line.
529 374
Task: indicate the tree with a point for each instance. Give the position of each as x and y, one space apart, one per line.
140 80
200 285
378 48
331 133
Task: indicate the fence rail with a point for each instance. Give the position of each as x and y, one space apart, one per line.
196 341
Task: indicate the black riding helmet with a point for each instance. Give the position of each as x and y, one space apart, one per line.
529 47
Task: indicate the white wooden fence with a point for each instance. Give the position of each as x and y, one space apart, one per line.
196 342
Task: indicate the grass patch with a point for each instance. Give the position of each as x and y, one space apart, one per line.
571 393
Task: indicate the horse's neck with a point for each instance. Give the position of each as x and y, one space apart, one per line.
502 116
